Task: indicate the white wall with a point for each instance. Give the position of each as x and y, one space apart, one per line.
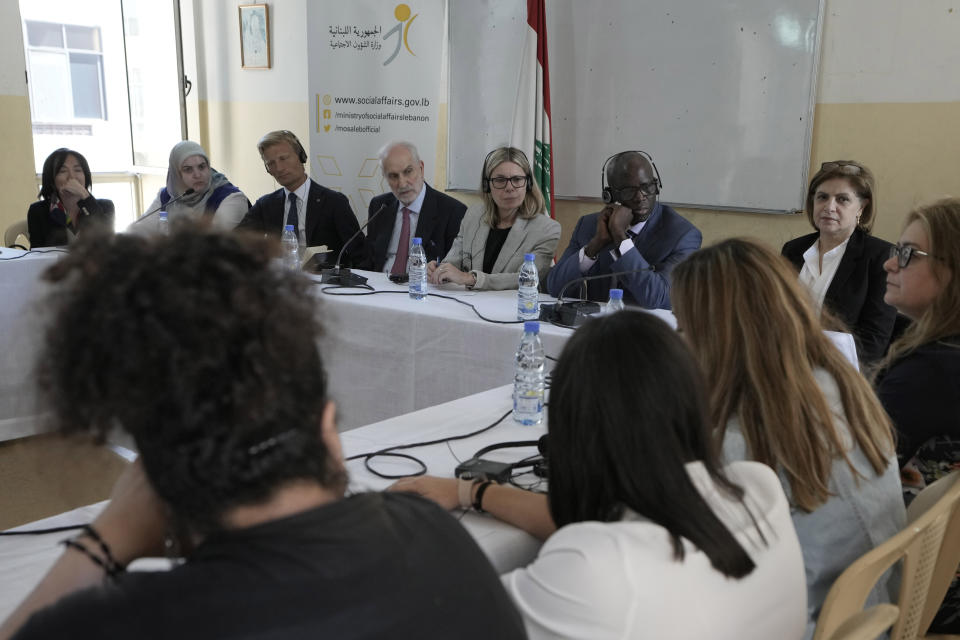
890 51
219 40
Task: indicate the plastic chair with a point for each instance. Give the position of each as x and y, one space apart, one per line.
13 233
918 546
949 557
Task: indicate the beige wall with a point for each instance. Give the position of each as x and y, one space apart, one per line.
17 177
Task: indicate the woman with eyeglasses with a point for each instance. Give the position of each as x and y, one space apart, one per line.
919 379
494 236
841 263
66 208
782 394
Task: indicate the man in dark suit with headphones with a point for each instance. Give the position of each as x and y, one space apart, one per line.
320 216
634 232
413 210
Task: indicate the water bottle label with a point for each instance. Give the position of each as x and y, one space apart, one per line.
528 403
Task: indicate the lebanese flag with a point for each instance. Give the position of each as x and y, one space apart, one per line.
531 113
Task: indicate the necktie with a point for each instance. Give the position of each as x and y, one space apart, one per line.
403 245
292 213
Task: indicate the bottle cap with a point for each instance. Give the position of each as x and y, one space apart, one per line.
288 227
529 257
163 215
417 241
616 294
531 326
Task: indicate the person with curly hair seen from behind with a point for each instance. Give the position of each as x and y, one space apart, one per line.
205 352
917 382
66 208
782 394
641 522
841 263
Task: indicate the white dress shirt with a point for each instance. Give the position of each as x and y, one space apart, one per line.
818 280
414 208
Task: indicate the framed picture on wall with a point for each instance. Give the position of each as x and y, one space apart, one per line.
254 36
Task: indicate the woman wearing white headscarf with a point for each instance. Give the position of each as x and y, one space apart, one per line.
196 191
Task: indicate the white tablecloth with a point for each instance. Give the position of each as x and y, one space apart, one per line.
21 334
24 559
388 355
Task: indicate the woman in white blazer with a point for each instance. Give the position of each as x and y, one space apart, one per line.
489 249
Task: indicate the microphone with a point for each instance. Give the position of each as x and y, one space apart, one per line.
342 275
574 314
160 208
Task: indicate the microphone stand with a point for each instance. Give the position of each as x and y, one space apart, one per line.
161 207
342 275
573 314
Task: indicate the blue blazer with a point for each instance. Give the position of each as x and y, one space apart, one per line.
665 240
856 292
330 221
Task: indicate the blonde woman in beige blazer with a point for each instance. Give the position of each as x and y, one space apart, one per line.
512 213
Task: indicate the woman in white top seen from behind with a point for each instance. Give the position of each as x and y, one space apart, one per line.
647 536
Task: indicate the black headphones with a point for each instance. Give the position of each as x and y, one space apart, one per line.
301 153
608 193
511 151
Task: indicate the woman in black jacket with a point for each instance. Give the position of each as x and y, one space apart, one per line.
65 208
841 263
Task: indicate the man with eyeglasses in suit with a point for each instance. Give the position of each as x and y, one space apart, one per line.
633 232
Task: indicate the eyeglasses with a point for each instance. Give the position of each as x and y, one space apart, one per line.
904 254
849 169
626 194
501 183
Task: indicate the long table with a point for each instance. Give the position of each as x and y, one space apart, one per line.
24 560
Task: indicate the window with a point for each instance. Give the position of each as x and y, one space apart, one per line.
66 72
104 80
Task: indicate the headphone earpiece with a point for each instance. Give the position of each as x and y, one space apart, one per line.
298 147
484 180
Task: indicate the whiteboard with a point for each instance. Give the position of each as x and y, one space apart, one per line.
720 93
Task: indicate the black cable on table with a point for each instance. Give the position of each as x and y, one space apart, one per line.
328 290
29 251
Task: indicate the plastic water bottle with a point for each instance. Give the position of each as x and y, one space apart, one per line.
417 270
163 225
528 380
290 248
615 303
528 291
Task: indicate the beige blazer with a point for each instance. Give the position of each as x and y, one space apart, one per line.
538 235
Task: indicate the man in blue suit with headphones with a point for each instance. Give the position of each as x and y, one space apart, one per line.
320 216
634 232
